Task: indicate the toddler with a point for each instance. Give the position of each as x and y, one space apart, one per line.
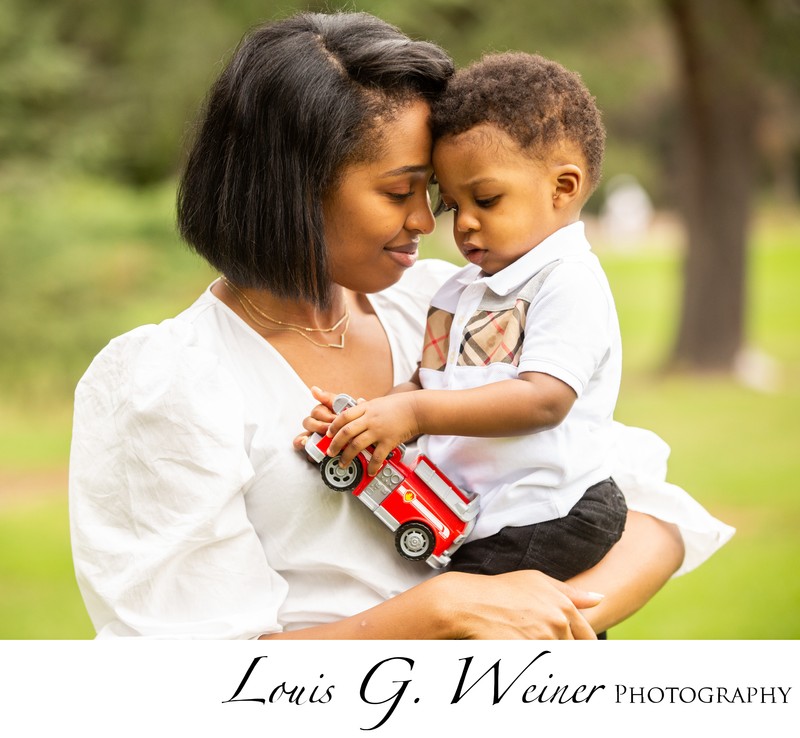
520 370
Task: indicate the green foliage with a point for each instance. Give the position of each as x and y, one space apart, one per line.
783 30
621 48
39 77
73 254
112 89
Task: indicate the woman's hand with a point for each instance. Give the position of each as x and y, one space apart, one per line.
319 419
519 605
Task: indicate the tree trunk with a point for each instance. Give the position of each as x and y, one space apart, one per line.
719 43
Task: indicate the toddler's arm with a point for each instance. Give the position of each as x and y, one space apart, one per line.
532 402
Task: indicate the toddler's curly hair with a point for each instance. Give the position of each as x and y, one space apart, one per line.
536 101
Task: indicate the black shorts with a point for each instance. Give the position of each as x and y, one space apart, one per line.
560 548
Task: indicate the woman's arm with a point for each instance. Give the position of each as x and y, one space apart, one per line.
518 605
648 554
523 604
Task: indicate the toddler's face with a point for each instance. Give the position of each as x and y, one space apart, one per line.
502 200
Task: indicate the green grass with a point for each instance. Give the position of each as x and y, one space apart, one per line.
736 452
735 449
33 441
40 598
91 260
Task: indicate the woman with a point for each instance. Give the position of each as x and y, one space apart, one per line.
192 515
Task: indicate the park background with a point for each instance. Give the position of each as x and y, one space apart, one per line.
702 104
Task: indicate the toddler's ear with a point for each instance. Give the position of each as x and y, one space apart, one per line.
569 184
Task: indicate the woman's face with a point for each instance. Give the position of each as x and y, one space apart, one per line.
374 218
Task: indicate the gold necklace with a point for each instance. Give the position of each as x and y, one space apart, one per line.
249 306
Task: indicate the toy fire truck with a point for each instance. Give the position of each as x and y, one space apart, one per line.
429 515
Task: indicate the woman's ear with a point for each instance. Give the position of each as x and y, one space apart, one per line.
569 182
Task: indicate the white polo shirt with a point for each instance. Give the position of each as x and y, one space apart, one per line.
551 311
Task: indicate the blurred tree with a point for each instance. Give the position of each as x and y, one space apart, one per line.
779 137
39 75
151 64
722 75
109 88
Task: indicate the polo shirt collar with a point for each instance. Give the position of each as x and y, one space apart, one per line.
566 241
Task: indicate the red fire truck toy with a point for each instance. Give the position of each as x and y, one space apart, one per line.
429 515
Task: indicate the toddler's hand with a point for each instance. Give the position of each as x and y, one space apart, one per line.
384 423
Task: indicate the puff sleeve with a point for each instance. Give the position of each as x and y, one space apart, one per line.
162 543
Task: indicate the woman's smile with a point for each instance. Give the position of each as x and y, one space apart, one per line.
404 255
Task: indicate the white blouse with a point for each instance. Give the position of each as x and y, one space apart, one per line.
193 517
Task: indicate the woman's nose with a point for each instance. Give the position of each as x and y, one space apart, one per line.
421 218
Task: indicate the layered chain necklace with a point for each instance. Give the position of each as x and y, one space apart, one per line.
258 316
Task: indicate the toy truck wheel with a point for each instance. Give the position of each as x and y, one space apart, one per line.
338 478
414 541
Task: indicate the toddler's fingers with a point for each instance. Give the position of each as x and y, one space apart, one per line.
346 418
379 455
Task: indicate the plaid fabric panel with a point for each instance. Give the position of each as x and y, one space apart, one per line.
437 339
494 336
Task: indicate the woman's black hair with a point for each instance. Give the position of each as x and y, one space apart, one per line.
296 104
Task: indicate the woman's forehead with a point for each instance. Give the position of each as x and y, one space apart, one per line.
404 142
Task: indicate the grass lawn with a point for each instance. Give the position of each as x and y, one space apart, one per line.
40 598
734 448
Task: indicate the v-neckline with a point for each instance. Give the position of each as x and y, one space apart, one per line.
277 355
